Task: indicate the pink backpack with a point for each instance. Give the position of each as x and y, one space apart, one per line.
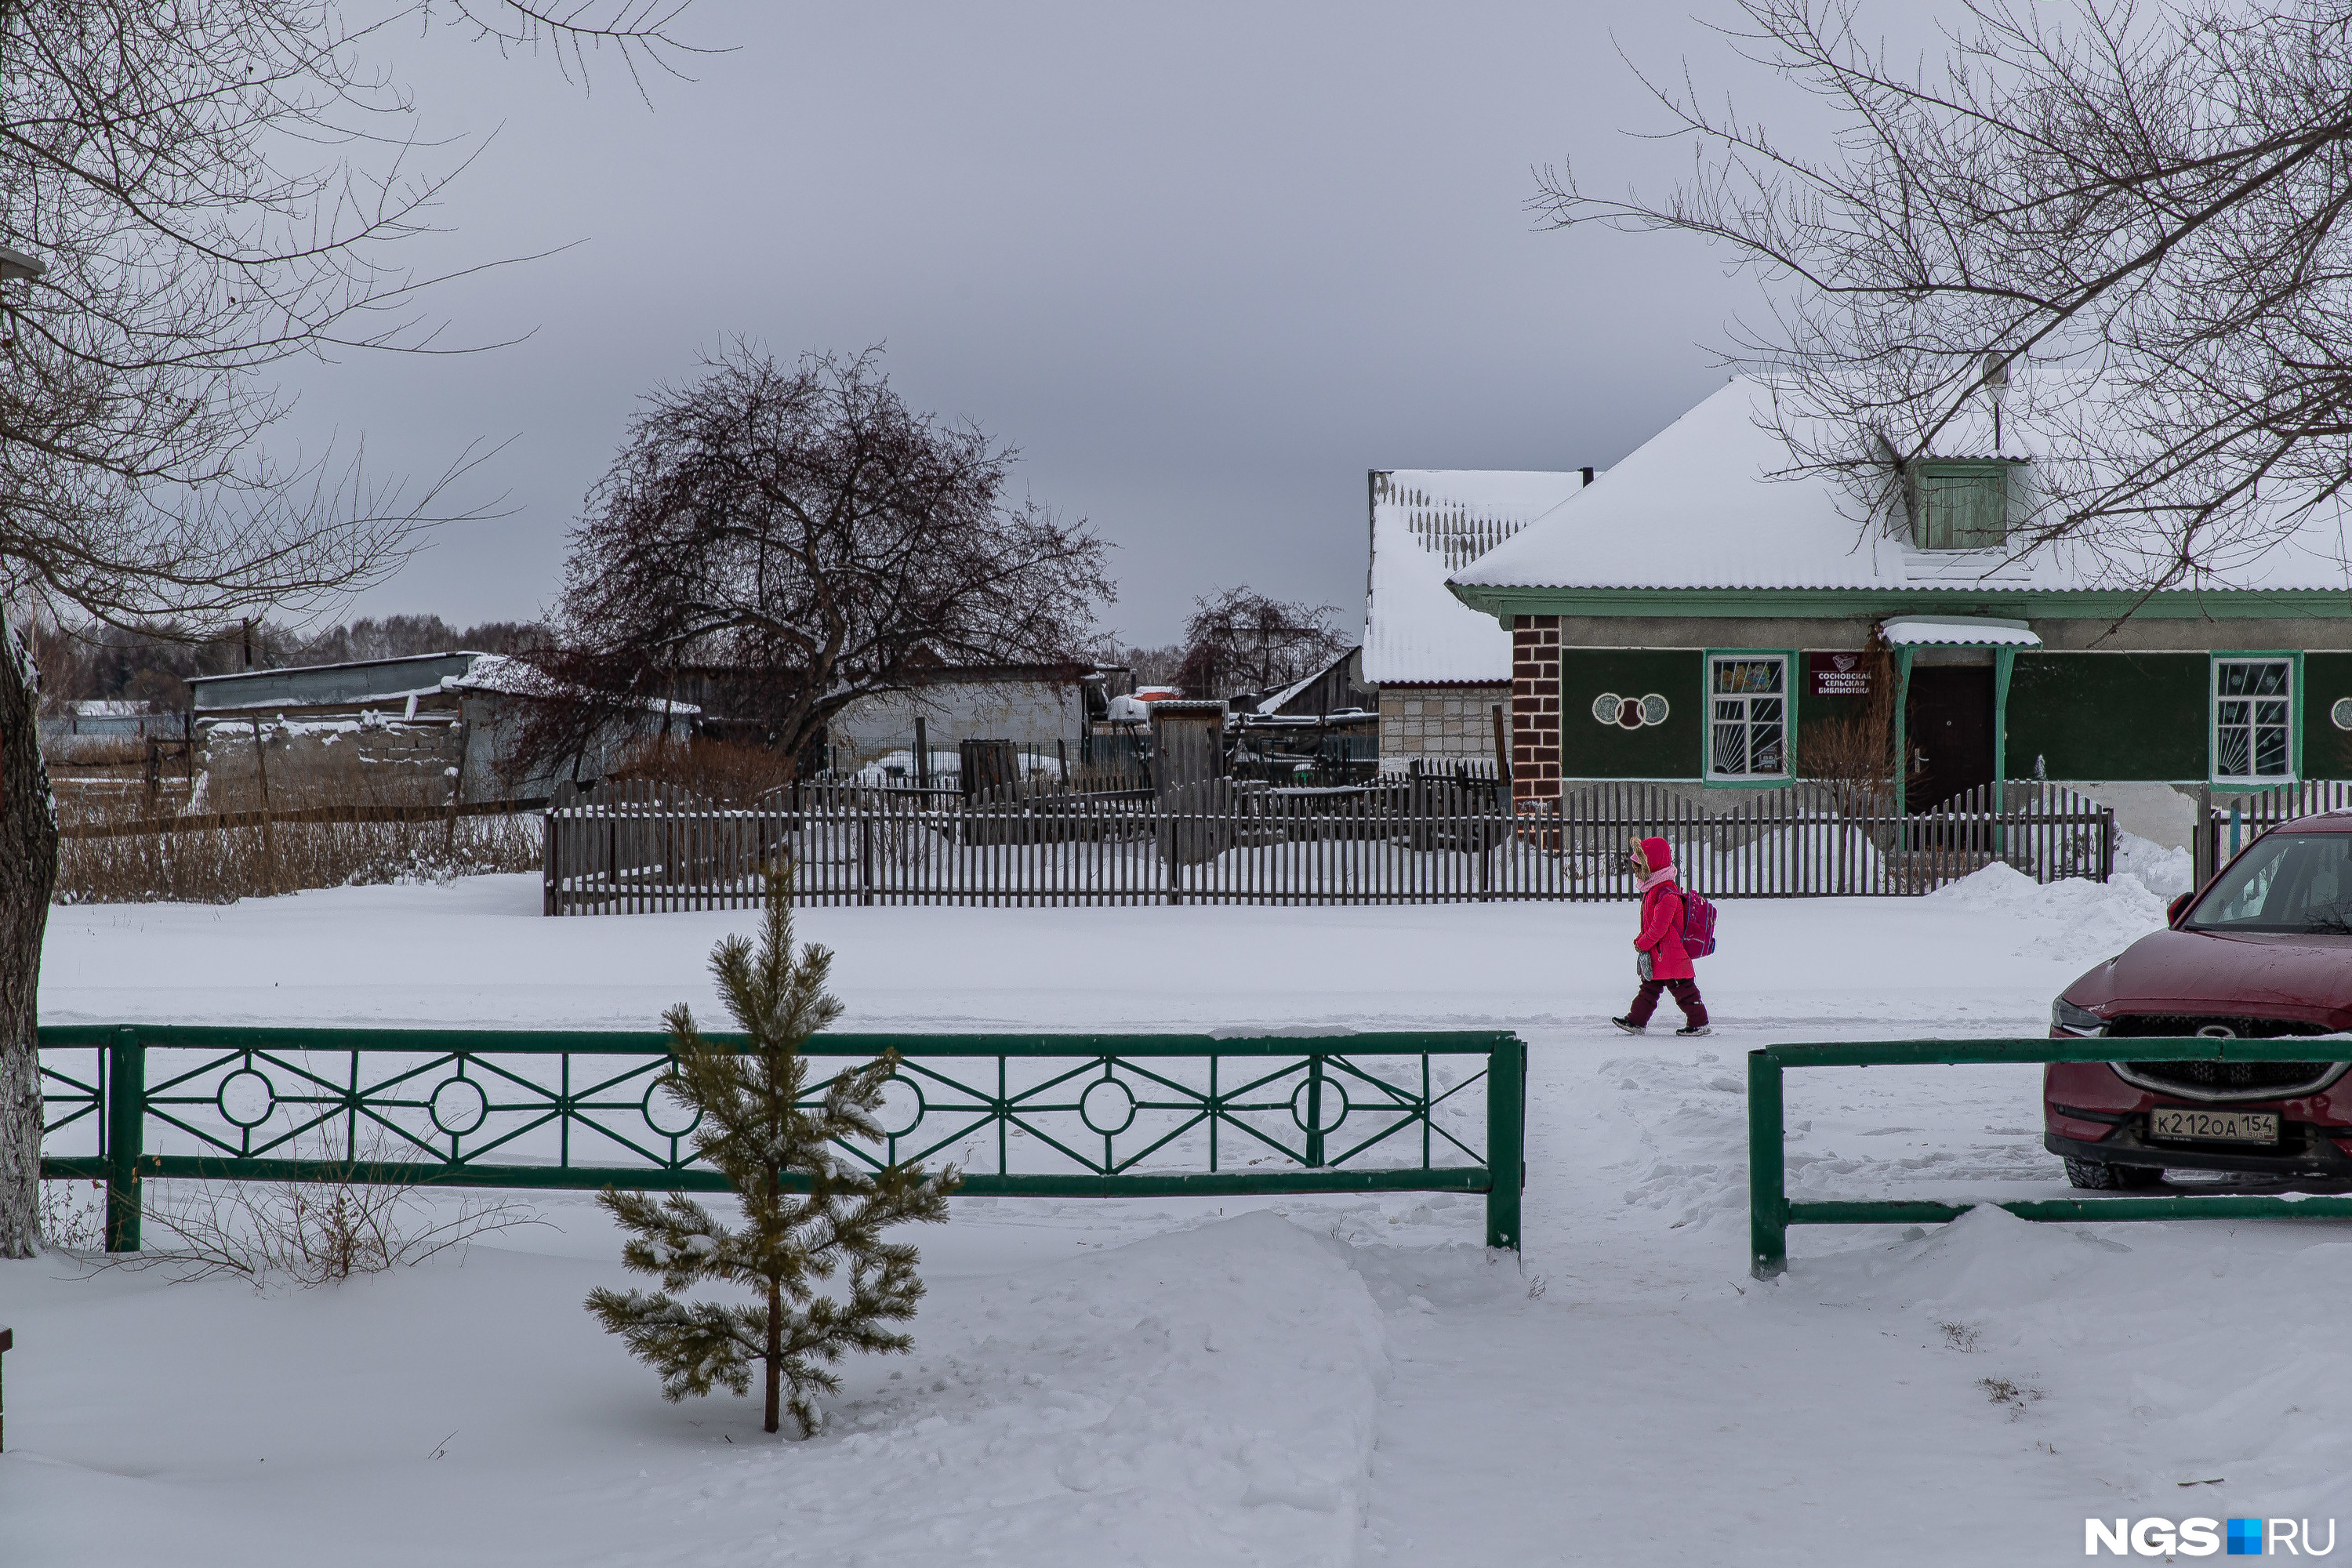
1698 926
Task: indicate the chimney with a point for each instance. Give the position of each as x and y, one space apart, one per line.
1587 472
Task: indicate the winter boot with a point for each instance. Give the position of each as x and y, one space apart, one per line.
1687 1030
1627 1026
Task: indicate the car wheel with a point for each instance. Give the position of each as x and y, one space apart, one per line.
2097 1175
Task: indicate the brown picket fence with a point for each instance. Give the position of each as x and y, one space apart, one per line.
2234 821
641 847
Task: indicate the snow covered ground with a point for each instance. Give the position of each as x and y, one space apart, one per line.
1308 1381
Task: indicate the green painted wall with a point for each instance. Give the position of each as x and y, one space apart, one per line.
2109 715
1667 750
2326 750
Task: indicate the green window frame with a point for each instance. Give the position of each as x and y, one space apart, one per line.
1751 707
1959 505
2255 735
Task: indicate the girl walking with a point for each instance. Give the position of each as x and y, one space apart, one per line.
1658 955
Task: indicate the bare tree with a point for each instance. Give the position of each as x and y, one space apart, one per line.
207 190
2120 231
1240 640
799 537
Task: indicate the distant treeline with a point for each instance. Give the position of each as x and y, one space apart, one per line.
154 664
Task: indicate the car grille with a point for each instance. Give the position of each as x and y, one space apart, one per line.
2204 1080
2236 1078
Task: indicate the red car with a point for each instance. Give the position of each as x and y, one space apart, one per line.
2263 950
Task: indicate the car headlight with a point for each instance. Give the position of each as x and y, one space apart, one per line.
2074 1020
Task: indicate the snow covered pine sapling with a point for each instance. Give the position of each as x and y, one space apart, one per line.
807 1209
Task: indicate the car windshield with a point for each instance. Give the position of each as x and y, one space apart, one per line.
2299 883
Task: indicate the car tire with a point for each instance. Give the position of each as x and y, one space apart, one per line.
2097 1175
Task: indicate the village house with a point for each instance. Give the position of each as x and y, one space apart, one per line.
395 730
1443 668
1692 621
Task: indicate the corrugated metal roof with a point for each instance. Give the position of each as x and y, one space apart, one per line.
1698 506
1426 524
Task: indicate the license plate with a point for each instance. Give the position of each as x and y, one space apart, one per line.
2228 1126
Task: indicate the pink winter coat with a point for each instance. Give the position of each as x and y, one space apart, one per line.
1662 919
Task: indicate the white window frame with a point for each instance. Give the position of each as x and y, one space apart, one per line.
2214 699
1786 696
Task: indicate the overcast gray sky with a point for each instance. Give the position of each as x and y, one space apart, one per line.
1204 265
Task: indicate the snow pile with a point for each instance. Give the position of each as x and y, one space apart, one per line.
2073 919
1203 1397
2127 1349
2163 871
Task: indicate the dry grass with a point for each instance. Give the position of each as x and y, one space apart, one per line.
220 865
365 1220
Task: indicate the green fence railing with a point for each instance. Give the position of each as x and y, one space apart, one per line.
1770 1211
1023 1115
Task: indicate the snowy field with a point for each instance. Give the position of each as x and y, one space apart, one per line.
1312 1381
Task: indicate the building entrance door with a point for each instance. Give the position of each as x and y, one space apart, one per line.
1948 721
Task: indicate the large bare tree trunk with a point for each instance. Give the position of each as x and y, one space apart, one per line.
28 870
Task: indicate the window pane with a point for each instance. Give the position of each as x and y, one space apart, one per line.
1766 744
1748 674
2270 753
1764 710
2232 760
1731 748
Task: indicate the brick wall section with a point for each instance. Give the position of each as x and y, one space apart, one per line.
1439 720
1535 709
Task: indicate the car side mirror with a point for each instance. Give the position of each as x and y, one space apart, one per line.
2178 907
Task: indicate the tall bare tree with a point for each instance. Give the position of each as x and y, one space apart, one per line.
210 189
2119 230
799 536
1238 640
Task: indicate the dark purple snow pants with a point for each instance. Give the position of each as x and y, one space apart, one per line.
1687 997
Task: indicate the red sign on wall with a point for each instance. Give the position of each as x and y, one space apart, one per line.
1838 674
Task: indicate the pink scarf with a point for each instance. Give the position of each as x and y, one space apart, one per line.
1665 873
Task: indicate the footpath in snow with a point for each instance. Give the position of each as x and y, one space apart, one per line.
1306 1381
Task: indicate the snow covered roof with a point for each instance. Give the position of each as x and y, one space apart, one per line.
1696 507
506 676
1428 523
1920 631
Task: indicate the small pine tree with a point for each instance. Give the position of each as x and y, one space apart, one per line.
807 1210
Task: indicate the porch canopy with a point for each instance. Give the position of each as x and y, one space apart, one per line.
1907 634
1959 631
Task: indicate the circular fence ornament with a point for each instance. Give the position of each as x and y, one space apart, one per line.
1629 714
1604 707
666 1113
902 1106
1334 1107
1654 709
2342 712
246 1098
459 1106
1104 1099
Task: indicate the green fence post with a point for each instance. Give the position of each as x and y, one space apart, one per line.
126 1113
1507 1127
1768 1199
1315 1112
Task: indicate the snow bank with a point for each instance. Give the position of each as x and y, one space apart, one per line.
2073 919
1203 1397
1207 1396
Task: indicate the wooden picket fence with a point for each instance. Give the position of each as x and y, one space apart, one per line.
2234 821
641 847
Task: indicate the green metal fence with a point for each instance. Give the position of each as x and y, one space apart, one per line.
1770 1211
1023 1115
